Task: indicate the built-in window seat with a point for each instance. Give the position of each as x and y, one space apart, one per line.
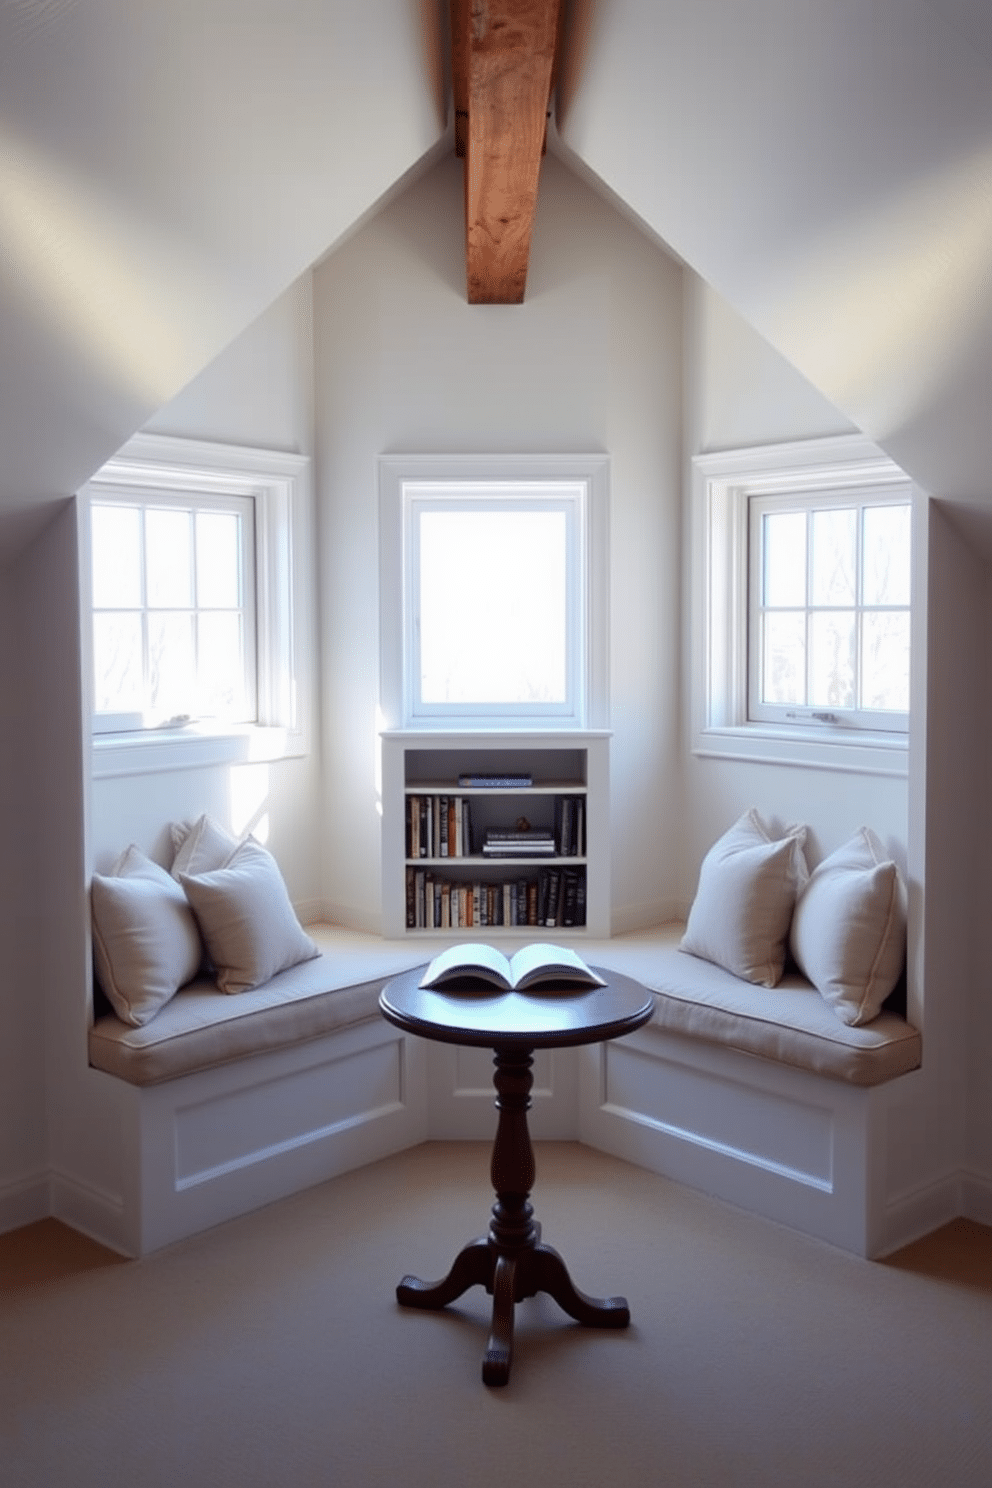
759 1095
201 1028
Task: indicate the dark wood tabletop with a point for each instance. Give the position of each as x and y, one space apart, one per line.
533 1020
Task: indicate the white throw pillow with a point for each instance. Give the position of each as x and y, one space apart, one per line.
849 928
145 940
246 919
201 847
747 890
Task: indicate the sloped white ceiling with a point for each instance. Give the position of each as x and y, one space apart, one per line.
167 168
827 167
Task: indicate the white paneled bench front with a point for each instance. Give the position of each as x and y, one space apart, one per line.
230 1102
759 1095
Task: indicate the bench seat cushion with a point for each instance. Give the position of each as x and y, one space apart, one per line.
202 1027
790 1023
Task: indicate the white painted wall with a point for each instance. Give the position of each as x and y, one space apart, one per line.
23 1147
958 943
590 361
739 391
258 392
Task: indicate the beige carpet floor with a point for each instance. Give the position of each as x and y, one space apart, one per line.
271 1351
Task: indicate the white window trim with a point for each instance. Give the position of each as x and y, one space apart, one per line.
399 476
278 484
722 483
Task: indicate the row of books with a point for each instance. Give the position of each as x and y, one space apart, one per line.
441 827
438 827
552 897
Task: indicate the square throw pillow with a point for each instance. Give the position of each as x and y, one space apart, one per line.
747 890
145 939
849 929
200 846
246 918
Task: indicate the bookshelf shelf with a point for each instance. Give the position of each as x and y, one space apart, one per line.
436 877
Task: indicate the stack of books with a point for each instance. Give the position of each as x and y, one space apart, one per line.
496 782
532 843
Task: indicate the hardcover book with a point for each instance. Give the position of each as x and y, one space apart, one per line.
539 967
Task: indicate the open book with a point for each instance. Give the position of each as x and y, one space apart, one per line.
469 968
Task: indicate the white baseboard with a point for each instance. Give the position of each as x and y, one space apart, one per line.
24 1201
959 1194
976 1197
89 1209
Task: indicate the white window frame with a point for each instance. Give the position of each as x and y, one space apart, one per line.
722 486
278 485
409 484
862 719
186 502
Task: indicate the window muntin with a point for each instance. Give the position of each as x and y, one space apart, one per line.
828 614
495 613
173 608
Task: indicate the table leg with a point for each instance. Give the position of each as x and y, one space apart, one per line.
511 1262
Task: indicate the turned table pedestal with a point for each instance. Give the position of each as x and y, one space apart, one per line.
511 1261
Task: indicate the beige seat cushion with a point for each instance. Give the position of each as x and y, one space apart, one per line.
790 1023
202 1027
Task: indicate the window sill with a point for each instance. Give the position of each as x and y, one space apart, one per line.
868 754
191 748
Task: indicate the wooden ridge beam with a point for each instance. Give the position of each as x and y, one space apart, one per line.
503 65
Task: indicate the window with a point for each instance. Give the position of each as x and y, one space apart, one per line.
195 601
801 589
828 610
493 589
173 609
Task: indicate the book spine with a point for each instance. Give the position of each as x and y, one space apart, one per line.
553 896
569 891
443 827
580 897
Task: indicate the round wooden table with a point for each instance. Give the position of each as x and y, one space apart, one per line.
510 1261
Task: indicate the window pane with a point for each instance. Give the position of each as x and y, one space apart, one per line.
117 669
886 555
221 670
783 677
116 544
218 561
167 559
832 656
835 536
784 554
171 664
493 607
885 661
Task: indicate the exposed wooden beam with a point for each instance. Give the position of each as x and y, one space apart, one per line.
503 60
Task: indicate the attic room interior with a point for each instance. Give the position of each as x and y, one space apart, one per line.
247 227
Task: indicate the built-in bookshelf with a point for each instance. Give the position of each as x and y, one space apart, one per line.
495 835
